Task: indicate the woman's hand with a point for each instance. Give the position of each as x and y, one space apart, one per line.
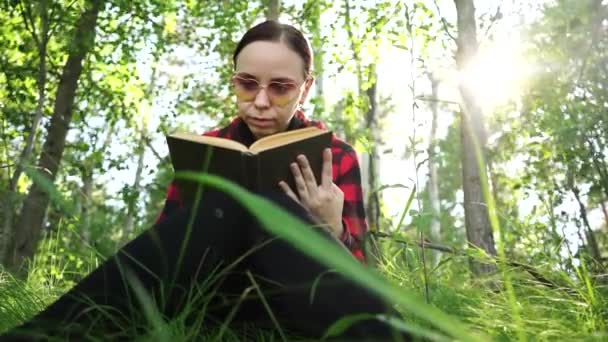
324 200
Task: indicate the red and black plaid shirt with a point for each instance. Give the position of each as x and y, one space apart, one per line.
346 175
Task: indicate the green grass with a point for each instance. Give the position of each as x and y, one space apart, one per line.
460 307
567 312
548 314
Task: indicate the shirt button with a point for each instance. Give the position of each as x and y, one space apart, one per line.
219 213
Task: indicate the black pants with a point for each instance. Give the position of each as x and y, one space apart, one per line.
222 256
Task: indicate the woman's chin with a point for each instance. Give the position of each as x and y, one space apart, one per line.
260 132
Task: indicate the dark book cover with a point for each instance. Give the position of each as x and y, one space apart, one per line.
259 172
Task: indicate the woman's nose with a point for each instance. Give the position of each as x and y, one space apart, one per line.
261 99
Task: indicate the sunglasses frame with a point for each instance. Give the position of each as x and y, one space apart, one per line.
272 96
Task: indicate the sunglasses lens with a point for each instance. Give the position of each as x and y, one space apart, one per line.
280 93
245 89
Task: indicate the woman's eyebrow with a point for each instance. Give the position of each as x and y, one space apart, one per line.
283 80
246 75
274 79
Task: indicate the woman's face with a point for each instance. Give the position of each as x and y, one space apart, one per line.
269 84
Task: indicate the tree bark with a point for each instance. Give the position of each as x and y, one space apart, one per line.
592 245
354 47
599 162
605 212
371 121
141 152
135 188
85 209
433 186
318 46
371 159
88 173
479 230
25 154
42 43
29 225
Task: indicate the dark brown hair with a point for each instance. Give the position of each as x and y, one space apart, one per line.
273 31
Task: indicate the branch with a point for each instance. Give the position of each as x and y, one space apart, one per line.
59 21
29 22
149 145
443 21
423 244
434 99
493 19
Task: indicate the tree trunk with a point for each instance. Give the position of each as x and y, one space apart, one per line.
29 225
88 183
318 46
605 211
141 151
592 245
135 188
599 162
274 8
479 230
371 159
42 42
85 206
433 186
371 121
354 47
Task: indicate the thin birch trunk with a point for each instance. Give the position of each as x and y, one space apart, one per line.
473 137
435 226
273 10
135 188
29 225
42 43
592 245
88 185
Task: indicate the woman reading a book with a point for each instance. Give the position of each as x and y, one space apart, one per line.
225 254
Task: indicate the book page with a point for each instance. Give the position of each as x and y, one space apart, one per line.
212 141
284 138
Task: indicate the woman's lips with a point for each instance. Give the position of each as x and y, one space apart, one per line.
260 122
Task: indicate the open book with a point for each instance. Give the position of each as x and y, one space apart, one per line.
258 168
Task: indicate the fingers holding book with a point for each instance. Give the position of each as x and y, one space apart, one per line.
324 200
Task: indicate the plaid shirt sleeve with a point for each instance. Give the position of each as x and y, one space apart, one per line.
347 176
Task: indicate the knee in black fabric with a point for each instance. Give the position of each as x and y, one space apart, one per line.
287 203
219 204
213 232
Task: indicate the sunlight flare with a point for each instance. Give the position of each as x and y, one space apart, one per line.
497 74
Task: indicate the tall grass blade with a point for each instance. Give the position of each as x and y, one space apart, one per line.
286 226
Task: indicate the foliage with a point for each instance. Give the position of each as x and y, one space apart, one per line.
161 65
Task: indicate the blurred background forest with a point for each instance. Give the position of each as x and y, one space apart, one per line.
421 88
